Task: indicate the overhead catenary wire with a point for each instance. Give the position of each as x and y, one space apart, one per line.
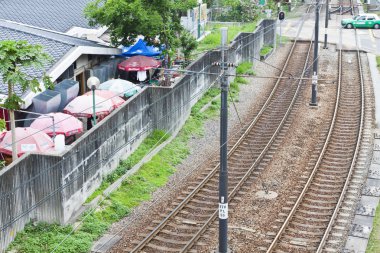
191 72
93 140
181 180
222 144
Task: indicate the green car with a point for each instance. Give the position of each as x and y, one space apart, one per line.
366 20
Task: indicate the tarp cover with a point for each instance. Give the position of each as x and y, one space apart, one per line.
47 101
140 48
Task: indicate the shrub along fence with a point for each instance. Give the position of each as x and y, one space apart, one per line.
53 187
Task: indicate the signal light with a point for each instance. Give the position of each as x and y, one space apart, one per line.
281 15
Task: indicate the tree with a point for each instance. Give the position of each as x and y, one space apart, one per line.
15 58
127 19
188 44
240 10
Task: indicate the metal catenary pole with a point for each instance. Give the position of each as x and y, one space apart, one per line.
315 63
223 176
326 23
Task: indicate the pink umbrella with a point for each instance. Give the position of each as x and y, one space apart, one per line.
27 140
109 95
82 106
139 63
63 124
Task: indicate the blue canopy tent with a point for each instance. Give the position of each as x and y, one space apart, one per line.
140 48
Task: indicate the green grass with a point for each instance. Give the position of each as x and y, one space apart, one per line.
374 239
152 141
265 50
378 62
245 68
284 39
212 40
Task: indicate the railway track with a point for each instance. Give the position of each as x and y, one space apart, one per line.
186 221
327 186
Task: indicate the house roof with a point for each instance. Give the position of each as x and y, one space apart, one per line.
57 45
54 15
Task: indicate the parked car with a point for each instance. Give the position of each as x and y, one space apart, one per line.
367 20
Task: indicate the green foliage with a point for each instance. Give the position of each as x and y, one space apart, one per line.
374 238
239 11
45 237
188 44
378 61
244 68
2 125
15 58
212 40
127 19
265 50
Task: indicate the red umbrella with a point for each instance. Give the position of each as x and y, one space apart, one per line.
63 124
109 95
139 63
27 140
82 106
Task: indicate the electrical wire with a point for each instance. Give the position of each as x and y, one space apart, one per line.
106 196
181 180
153 104
161 118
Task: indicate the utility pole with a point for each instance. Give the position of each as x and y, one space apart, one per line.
315 62
326 23
223 175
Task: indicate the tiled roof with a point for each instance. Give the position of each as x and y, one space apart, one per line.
55 44
57 15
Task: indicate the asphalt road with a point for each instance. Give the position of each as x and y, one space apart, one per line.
369 39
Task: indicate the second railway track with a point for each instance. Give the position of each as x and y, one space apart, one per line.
309 221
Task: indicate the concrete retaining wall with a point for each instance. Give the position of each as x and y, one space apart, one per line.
53 187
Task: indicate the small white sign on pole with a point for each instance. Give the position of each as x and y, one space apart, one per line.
223 211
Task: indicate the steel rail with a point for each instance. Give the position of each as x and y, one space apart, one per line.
216 168
352 167
181 205
251 169
311 177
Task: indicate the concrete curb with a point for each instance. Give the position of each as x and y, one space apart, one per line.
375 80
362 225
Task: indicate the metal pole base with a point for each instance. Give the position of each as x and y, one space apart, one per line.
217 251
325 44
313 104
